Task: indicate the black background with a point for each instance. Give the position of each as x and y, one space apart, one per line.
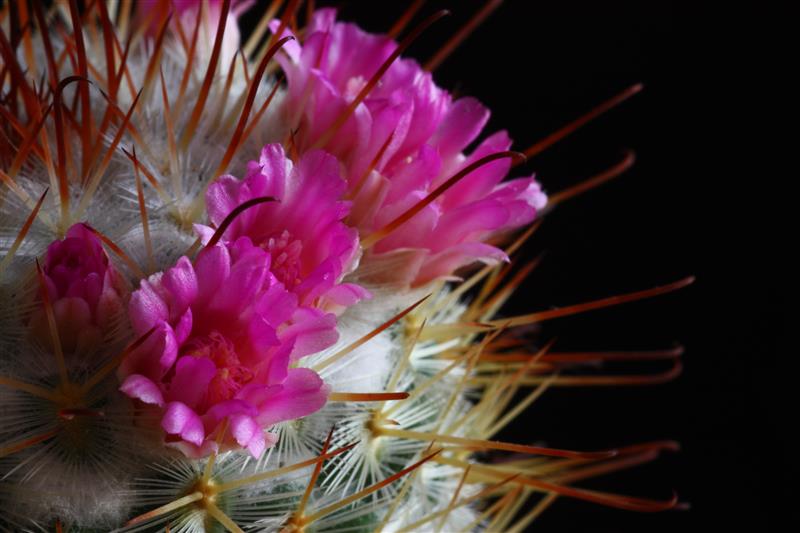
704 198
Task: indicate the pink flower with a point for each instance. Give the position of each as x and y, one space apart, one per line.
427 133
310 247
217 366
185 13
83 287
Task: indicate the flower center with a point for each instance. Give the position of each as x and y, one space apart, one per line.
231 374
285 251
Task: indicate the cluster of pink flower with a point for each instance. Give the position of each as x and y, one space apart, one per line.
225 330
231 323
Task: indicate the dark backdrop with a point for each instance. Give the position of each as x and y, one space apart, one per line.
693 204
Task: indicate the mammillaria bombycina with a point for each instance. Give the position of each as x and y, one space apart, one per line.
235 297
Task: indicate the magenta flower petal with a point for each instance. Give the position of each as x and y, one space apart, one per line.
223 196
147 308
523 197
454 257
302 393
226 409
169 349
275 168
276 370
461 125
184 326
248 274
311 331
155 357
409 234
347 294
418 175
204 233
191 380
248 434
481 181
182 421
141 388
276 305
181 283
262 334
212 268
470 222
